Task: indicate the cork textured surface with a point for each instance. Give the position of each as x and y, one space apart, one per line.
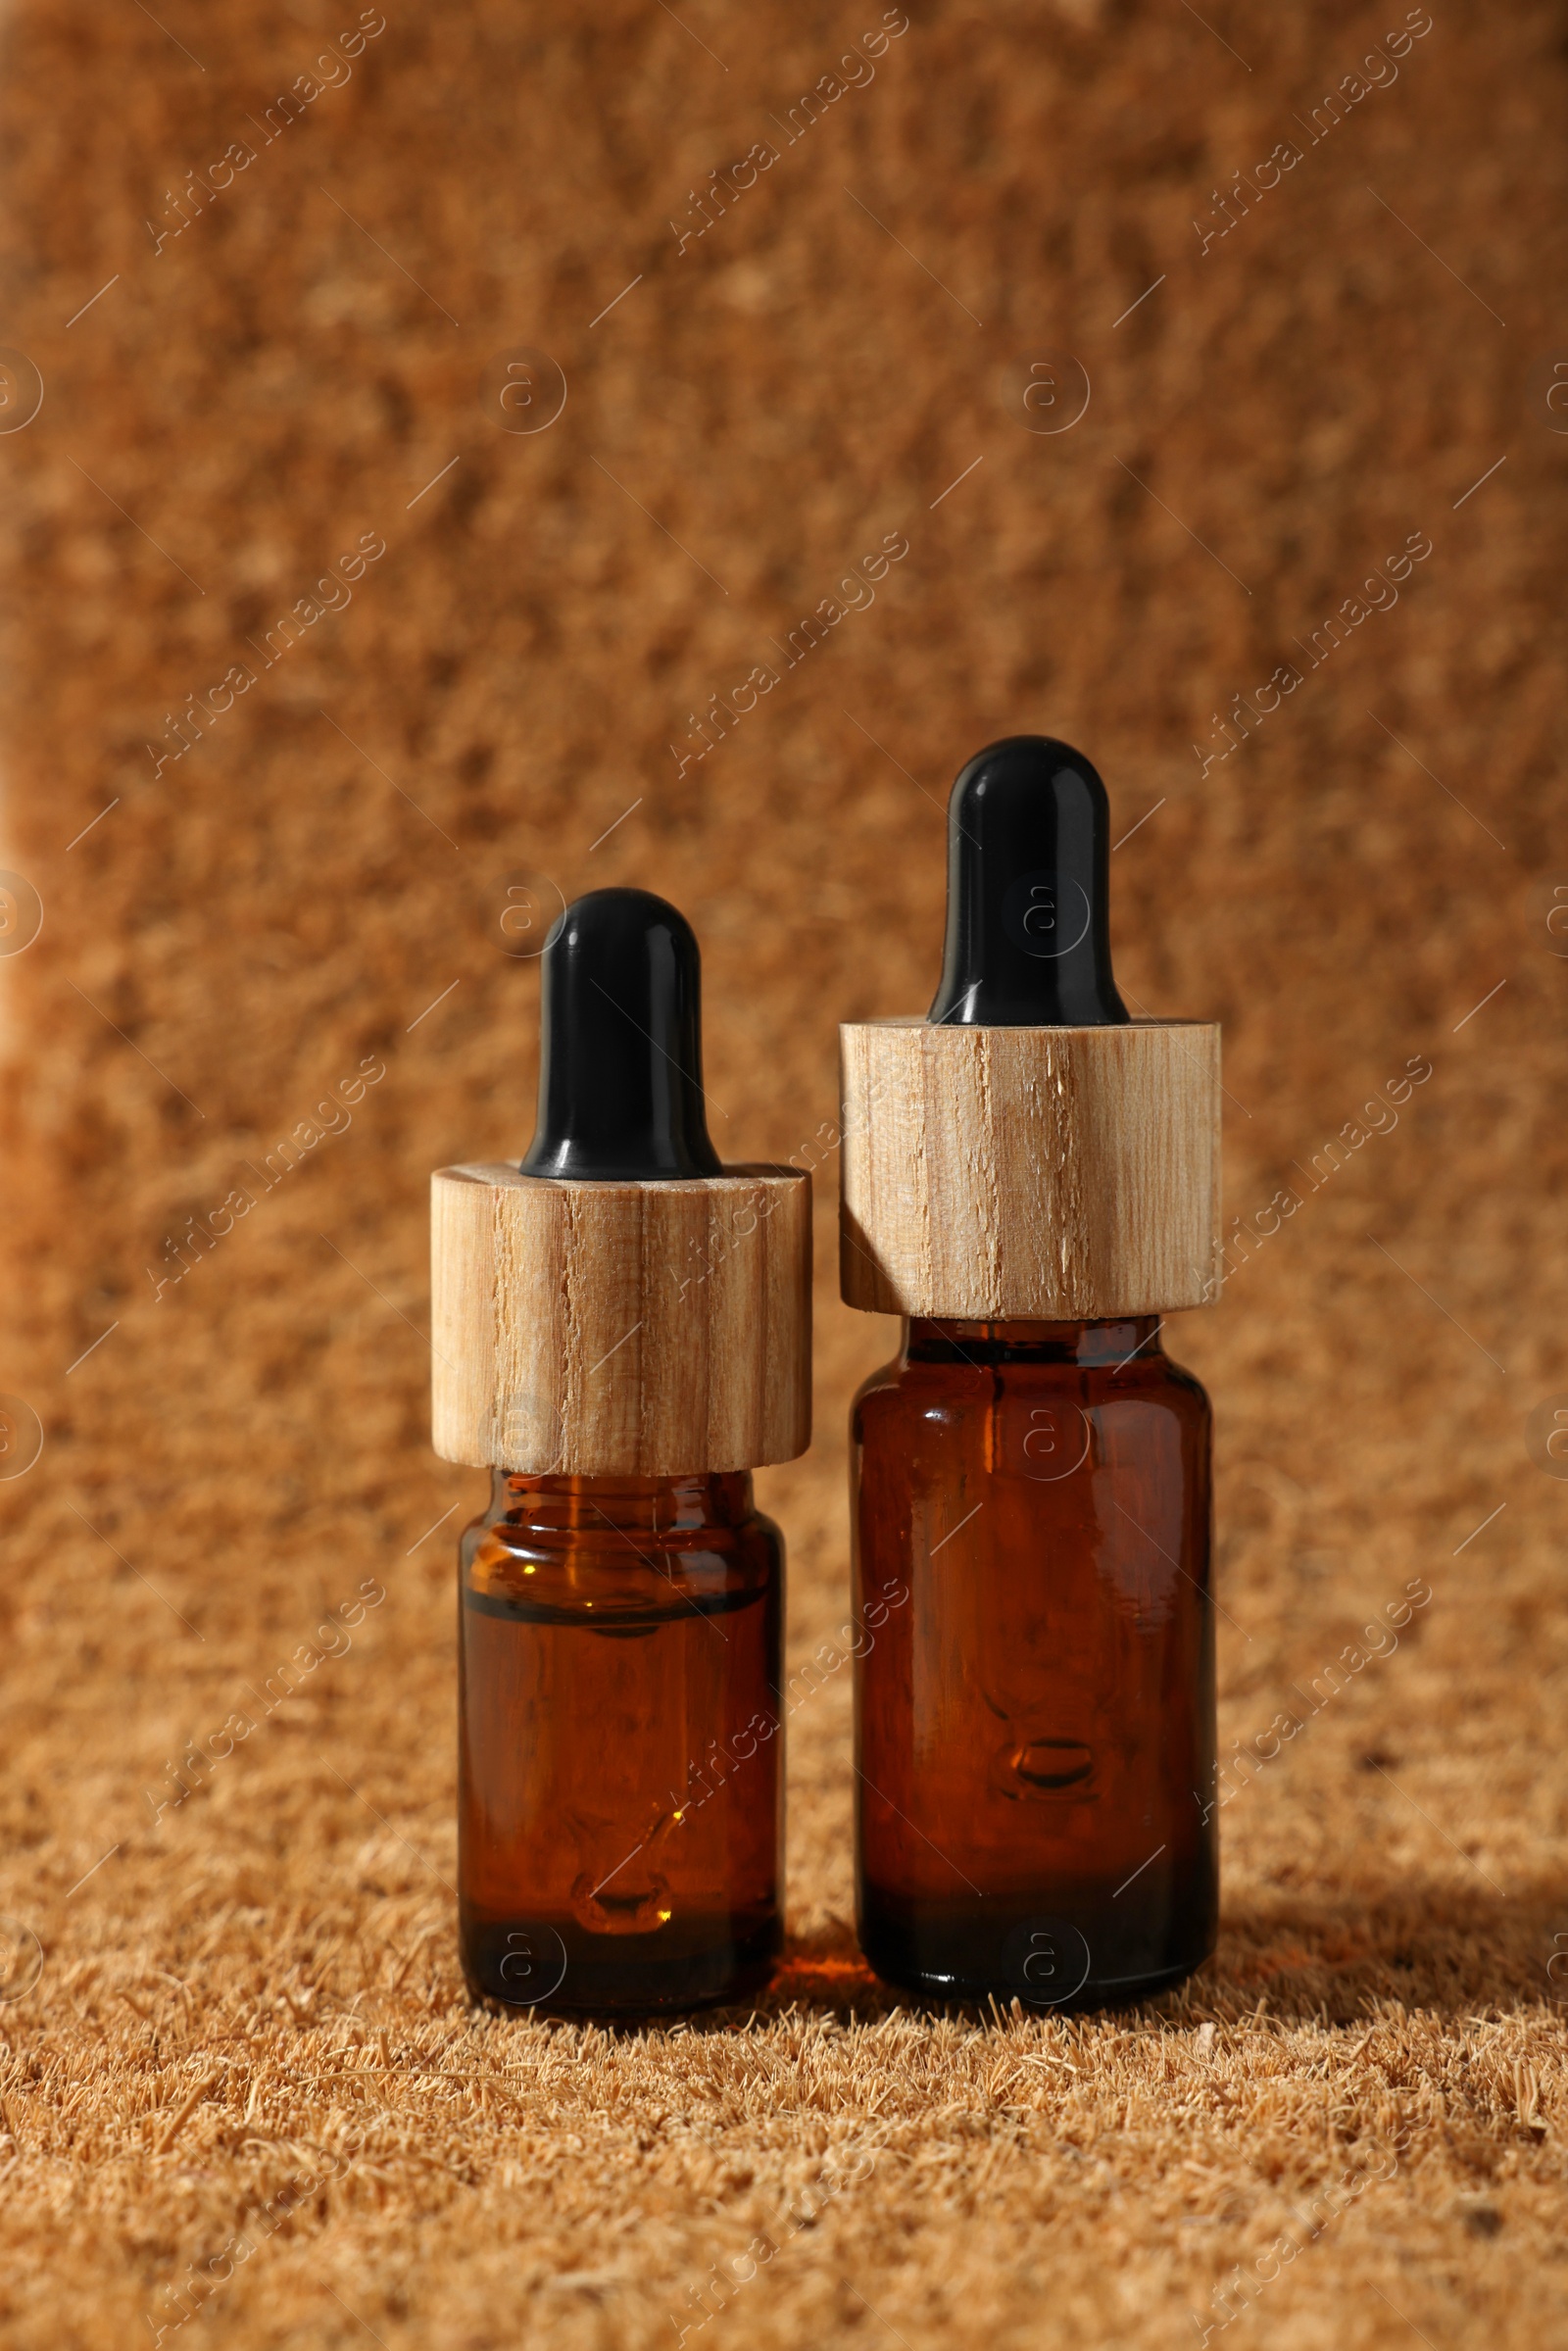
454 458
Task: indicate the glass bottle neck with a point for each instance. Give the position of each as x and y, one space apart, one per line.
636 1505
1097 1342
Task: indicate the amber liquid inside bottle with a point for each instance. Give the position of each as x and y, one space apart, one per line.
621 1764
1035 1693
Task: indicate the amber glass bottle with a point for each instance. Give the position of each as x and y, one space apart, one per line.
620 1782
621 1332
1031 1181
1035 1724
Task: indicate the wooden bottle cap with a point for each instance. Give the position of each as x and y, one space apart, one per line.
1030 1174
608 1329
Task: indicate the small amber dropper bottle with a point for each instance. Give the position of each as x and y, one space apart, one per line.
622 1332
1031 1179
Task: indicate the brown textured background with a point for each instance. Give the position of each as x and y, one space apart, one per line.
256 1995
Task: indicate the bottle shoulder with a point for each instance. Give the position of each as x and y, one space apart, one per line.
913 1376
909 1392
885 1380
1179 1376
610 1574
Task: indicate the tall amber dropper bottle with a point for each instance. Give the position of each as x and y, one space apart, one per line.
1032 1179
622 1332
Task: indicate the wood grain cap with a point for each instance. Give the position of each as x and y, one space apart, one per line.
636 1329
1020 1174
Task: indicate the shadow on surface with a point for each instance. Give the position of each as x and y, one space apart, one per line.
1427 1945
1430 1944
1424 1945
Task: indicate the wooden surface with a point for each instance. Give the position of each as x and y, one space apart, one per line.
611 1329
1010 1173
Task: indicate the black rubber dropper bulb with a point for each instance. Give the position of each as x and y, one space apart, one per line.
1028 942
620 1064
